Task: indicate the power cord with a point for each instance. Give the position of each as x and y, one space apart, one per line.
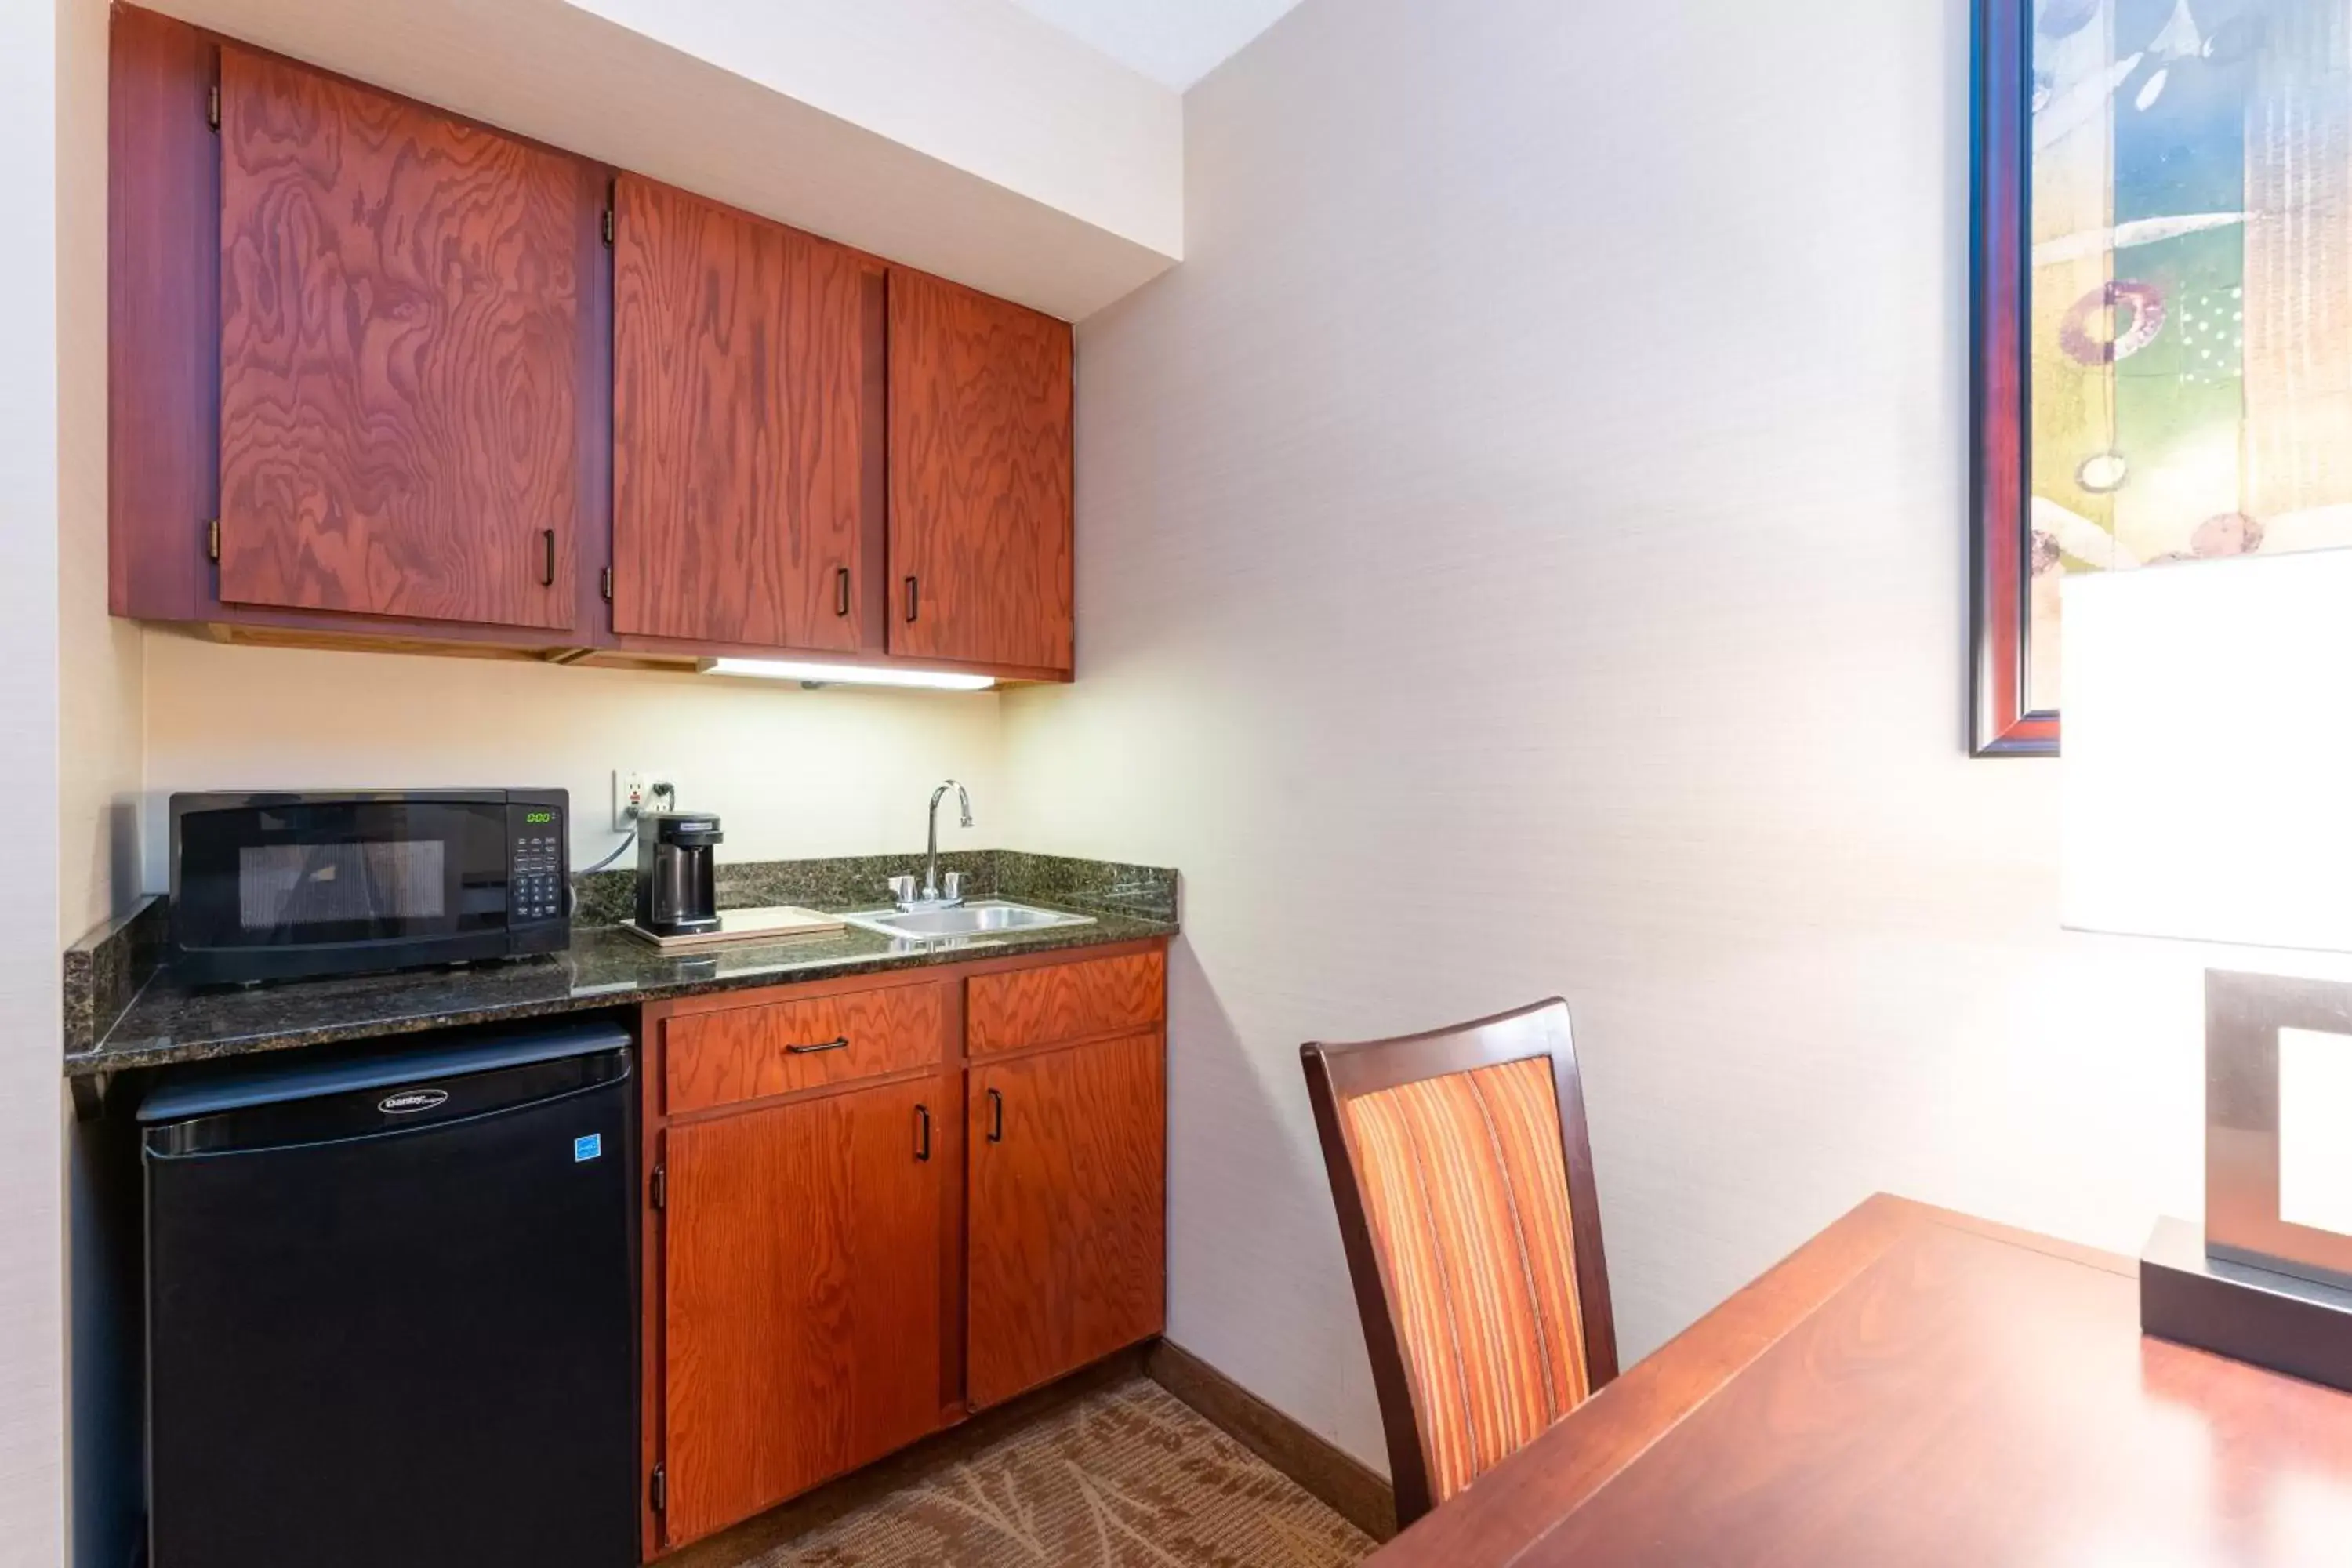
659 792
627 839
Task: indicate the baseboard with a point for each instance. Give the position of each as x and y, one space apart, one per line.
1354 1490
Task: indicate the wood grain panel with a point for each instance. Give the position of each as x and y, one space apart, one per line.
1047 1005
980 476
400 353
163 316
1966 1401
738 384
802 1310
874 486
1525 1496
1917 1386
749 1053
1065 1212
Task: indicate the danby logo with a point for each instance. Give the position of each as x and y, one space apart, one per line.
409 1101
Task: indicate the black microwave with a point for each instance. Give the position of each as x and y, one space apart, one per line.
283 886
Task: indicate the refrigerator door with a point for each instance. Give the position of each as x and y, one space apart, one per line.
392 1324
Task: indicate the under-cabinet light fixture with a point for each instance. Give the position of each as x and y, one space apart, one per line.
846 675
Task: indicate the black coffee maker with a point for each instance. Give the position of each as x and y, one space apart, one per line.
678 873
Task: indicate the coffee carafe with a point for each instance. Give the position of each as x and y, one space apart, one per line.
678 873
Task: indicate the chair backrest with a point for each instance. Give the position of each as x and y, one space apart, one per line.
1462 1176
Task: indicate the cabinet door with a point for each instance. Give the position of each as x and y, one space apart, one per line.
738 371
1067 1212
802 1298
979 477
400 355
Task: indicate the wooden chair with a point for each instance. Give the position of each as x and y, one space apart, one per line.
1464 1180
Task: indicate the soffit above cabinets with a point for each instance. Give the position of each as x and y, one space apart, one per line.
964 137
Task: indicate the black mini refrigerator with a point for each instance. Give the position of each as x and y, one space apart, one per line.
391 1311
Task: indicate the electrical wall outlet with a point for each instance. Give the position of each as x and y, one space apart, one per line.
630 800
637 791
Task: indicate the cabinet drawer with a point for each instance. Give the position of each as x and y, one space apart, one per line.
776 1048
1060 1002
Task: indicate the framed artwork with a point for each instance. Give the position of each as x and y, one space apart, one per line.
2162 242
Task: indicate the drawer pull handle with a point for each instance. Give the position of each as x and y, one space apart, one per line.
547 560
841 591
923 1134
914 600
840 1045
995 1117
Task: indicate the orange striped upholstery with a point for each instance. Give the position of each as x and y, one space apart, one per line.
1465 1191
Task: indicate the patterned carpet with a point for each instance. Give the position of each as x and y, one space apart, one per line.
1128 1477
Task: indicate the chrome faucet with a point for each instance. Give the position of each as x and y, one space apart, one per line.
954 894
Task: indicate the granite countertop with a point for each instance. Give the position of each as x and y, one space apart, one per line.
165 1021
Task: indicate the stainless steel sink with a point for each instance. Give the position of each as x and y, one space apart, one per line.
982 916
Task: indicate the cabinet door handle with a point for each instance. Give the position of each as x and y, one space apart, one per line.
840 1045
547 558
914 600
995 1117
841 591
923 1134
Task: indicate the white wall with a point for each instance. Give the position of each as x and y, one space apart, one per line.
795 773
32 1415
1522 550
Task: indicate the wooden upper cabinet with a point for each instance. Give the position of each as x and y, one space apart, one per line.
1068 1241
402 356
802 1303
979 477
738 378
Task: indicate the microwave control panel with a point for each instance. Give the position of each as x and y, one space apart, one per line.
538 889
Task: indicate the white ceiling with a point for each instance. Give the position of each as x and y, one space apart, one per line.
1174 42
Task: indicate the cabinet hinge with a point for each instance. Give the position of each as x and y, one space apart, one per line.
659 1491
212 538
608 225
211 107
605 578
659 1195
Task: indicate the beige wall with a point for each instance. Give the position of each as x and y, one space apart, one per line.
98 675
98 657
1522 550
794 773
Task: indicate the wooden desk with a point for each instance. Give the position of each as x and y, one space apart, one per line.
1916 1388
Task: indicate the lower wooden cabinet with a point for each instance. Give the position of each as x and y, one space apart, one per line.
873 1205
1066 1226
802 1333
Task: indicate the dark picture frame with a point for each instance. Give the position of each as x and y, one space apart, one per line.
2000 721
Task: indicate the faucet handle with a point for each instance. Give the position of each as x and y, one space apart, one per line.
902 890
951 887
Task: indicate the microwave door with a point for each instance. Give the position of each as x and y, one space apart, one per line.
320 874
287 889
